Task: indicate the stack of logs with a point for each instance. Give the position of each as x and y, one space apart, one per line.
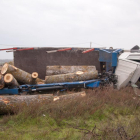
12 76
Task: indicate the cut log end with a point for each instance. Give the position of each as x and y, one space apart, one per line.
4 68
79 72
8 78
19 75
34 75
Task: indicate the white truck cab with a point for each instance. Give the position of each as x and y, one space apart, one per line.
128 68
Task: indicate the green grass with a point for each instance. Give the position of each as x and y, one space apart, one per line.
103 114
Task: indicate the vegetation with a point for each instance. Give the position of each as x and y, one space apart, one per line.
104 114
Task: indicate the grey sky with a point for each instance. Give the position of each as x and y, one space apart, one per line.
61 22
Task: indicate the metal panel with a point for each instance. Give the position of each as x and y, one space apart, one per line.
105 56
136 75
125 70
9 91
37 60
114 59
134 57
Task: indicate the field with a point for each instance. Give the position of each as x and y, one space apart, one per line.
104 114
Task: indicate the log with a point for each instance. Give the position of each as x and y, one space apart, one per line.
69 96
34 76
71 77
10 80
2 83
10 103
57 69
20 75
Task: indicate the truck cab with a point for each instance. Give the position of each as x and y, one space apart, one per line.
128 68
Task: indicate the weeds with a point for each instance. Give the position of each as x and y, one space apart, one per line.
114 112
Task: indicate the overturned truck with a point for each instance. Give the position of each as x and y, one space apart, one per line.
56 68
40 69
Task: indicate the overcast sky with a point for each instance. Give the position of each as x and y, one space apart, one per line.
63 22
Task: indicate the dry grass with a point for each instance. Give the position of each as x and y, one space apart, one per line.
103 114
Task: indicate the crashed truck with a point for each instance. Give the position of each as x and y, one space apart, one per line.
117 67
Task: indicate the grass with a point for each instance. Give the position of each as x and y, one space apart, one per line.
104 114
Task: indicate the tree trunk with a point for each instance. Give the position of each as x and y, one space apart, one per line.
20 75
10 103
57 69
10 80
2 83
71 77
69 96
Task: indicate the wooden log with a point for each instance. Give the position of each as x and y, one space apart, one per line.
10 80
34 76
20 75
57 69
71 77
10 103
69 96
2 83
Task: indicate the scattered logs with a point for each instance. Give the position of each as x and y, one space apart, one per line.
20 75
9 104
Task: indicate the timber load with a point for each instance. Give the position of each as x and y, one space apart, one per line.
58 69
20 75
71 77
16 81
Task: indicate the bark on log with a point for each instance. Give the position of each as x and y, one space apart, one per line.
57 69
10 103
20 75
10 80
71 77
2 83
69 96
